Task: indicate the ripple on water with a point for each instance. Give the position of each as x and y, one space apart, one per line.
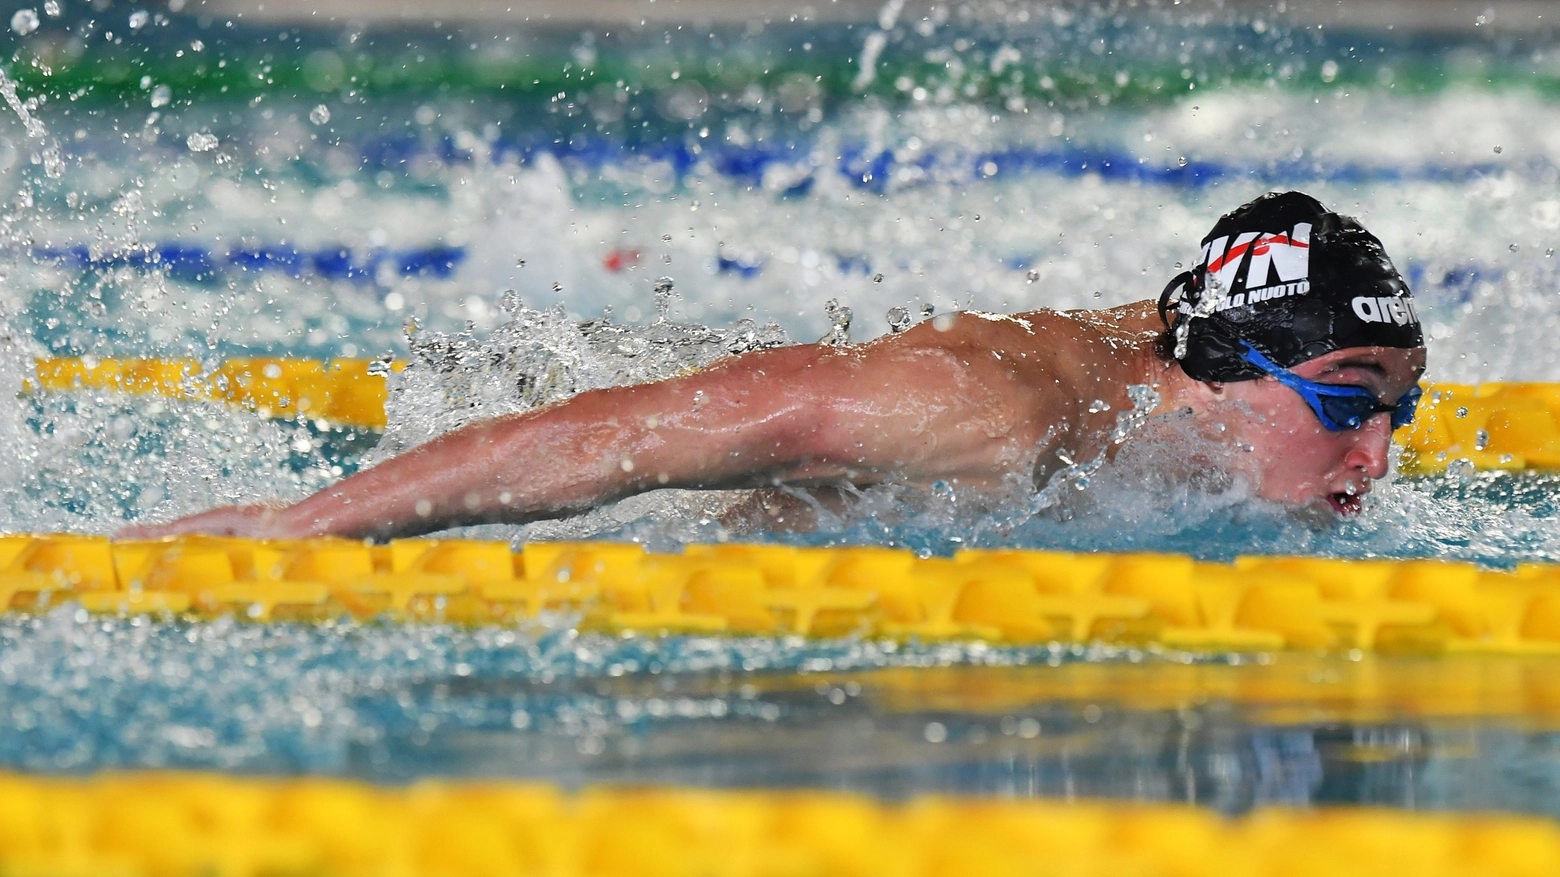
396 702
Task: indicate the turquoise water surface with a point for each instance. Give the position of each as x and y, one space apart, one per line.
195 186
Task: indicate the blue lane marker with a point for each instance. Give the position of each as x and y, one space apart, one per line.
194 263
875 170
728 265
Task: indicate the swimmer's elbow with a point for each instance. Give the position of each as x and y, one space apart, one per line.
820 437
808 432
792 435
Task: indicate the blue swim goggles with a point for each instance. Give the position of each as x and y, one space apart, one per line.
1338 406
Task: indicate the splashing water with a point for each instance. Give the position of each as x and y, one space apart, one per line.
1038 157
539 357
53 164
249 221
839 324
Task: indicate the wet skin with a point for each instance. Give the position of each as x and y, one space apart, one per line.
972 399
1293 459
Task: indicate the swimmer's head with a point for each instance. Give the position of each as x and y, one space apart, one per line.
1292 280
1303 346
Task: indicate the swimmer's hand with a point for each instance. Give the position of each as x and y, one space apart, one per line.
258 521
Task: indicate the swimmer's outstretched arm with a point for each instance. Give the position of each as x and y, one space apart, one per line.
898 408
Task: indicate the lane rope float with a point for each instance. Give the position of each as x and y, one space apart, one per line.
1003 596
178 824
345 392
1491 426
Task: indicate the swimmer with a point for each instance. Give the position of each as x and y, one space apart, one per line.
1293 344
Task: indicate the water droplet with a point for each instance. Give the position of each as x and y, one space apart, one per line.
53 8
878 278
161 95
1481 440
320 114
1032 276
139 18
663 297
1181 161
667 238
1549 253
201 141
24 22
519 263
1497 150
1462 412
898 320
557 286
510 302
839 323
1098 405
1460 470
1513 248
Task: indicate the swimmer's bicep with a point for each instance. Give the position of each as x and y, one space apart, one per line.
746 414
896 411
812 410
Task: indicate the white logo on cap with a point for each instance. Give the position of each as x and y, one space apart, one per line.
1287 255
1385 309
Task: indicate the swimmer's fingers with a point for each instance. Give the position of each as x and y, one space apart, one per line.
257 521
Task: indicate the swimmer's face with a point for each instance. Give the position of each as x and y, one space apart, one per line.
1288 455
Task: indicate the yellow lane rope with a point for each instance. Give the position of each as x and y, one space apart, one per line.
341 391
192 825
1256 603
1492 426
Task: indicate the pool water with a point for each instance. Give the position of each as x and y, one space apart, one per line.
499 202
396 702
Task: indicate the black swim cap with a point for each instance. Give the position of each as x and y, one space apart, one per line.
1292 279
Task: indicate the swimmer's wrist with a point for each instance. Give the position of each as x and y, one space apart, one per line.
299 521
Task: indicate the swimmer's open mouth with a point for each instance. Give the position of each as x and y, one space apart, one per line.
1346 504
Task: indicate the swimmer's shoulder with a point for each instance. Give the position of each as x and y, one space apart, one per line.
1057 342
1023 336
1030 354
1135 321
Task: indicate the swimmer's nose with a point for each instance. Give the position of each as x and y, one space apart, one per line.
1369 451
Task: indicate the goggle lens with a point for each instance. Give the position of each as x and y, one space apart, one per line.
1403 412
1340 406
